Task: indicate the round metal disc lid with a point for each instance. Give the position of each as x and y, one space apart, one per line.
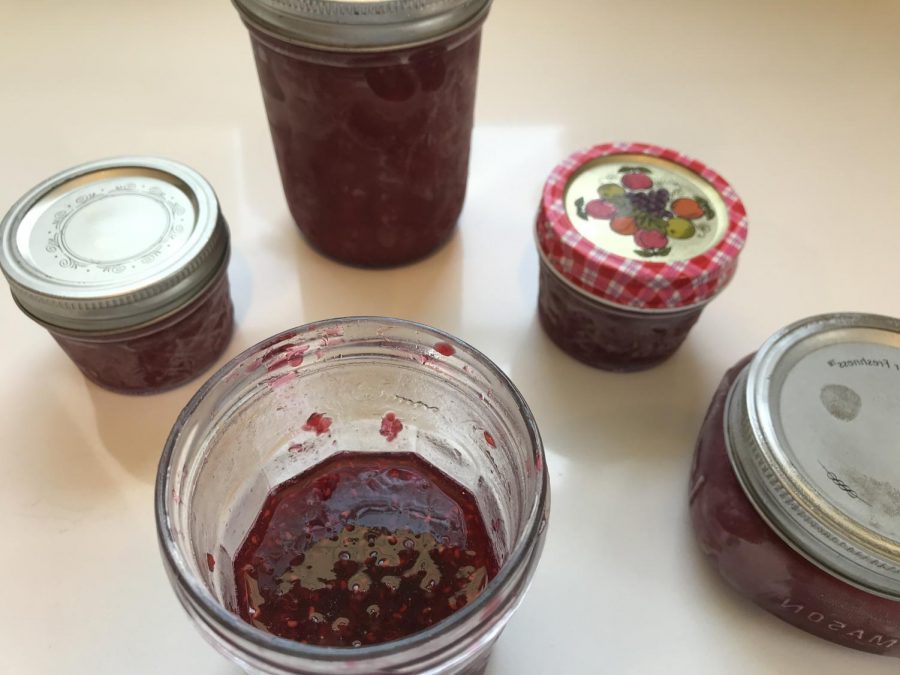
641 226
813 432
367 25
112 244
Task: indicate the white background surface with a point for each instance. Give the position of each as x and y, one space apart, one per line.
794 103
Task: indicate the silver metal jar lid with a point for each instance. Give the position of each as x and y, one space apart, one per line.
113 244
365 25
812 427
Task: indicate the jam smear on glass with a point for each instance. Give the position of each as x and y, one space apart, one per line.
360 549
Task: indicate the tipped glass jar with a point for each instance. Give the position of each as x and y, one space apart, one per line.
795 487
293 404
124 261
634 240
371 106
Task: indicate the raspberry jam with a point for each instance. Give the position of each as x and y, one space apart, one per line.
160 356
806 586
605 336
373 148
360 549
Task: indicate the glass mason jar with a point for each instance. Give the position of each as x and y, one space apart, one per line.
233 443
794 488
124 261
371 106
634 240
604 335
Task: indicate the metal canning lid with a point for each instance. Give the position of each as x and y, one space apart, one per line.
812 428
367 25
641 226
113 244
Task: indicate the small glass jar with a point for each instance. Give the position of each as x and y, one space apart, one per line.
371 107
124 261
243 434
795 487
634 240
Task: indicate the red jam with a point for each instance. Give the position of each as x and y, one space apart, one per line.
607 337
373 148
391 426
318 422
162 355
361 549
755 561
444 349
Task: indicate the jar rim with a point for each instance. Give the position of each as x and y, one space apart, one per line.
156 321
372 26
520 557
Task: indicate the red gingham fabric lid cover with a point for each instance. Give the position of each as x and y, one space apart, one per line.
639 283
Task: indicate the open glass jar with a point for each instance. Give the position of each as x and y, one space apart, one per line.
794 491
371 106
243 434
124 261
634 240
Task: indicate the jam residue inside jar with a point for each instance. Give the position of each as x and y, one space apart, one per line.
361 549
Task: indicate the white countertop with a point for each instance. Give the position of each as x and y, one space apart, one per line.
794 103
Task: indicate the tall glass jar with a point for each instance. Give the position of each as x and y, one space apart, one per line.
243 434
370 105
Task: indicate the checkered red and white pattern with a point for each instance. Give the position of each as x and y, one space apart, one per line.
637 283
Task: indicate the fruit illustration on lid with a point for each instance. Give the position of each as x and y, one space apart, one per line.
651 240
636 178
600 209
691 209
623 225
649 207
610 190
680 228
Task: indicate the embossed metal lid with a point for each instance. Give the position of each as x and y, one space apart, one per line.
367 25
641 226
813 433
113 244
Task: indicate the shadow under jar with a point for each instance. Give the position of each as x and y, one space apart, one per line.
371 106
294 405
634 240
795 485
124 262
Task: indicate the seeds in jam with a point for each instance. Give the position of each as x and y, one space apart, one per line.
360 549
